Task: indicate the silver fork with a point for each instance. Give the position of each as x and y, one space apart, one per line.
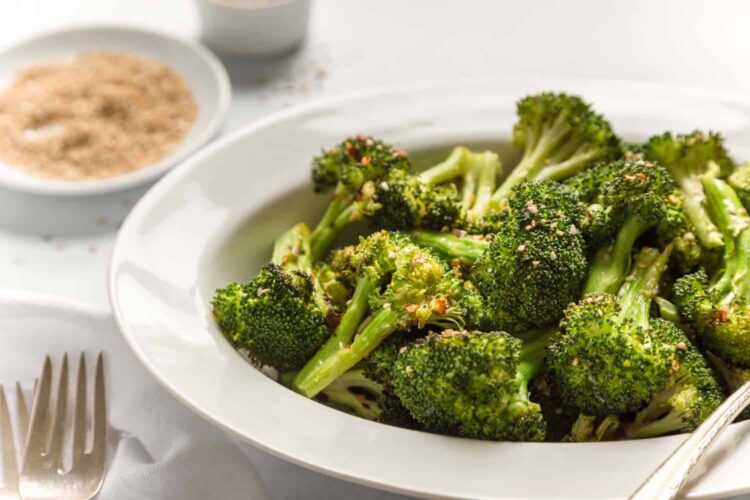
9 490
671 476
43 476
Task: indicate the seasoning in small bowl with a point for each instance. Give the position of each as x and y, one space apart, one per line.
97 115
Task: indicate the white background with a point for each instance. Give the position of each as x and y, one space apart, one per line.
357 44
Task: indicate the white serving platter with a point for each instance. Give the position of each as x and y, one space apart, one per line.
213 219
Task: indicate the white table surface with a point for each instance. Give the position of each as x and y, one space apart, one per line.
353 45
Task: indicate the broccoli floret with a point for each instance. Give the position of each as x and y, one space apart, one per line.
431 198
718 309
352 169
283 316
626 199
276 317
608 359
691 394
420 290
560 135
740 182
378 366
688 157
534 266
473 384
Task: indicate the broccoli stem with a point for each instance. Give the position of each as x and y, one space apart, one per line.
449 169
451 246
612 263
539 146
642 285
695 200
479 182
730 216
381 324
347 327
531 360
659 417
324 234
292 249
669 423
667 310
582 157
339 393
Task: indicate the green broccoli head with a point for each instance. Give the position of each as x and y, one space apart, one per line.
374 256
689 397
626 198
228 306
723 325
378 366
354 169
406 202
606 363
355 161
536 262
718 309
740 182
468 384
689 157
560 135
689 154
405 288
278 318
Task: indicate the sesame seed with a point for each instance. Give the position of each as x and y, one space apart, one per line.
521 247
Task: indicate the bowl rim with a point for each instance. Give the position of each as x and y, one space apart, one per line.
183 170
27 183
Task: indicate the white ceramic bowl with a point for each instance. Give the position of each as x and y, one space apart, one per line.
26 200
212 221
254 27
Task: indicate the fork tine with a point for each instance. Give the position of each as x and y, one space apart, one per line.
37 435
61 409
23 416
79 417
10 469
99 444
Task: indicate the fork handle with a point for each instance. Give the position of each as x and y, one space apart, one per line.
671 476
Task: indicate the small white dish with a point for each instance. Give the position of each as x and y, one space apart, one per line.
34 204
213 219
254 27
200 69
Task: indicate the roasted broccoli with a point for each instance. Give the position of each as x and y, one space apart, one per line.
283 316
689 157
353 170
419 289
473 384
690 396
431 199
609 358
601 292
533 267
560 135
718 309
625 199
